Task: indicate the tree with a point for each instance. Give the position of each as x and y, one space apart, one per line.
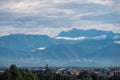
15 73
85 76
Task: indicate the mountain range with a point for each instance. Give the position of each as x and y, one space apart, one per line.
75 47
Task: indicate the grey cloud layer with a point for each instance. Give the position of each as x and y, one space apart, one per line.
25 15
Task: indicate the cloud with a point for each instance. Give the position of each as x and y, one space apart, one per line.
103 2
41 48
86 24
116 5
42 6
80 15
69 38
53 31
6 30
101 37
52 16
117 42
24 6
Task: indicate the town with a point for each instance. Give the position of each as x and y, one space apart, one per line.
60 73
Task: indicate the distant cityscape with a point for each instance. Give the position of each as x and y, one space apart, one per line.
61 73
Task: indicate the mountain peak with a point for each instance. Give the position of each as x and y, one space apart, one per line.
87 33
75 29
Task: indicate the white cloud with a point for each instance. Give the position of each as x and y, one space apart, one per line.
117 42
41 6
99 37
53 31
86 24
69 38
116 5
26 6
69 1
79 15
52 15
41 48
6 30
44 8
104 2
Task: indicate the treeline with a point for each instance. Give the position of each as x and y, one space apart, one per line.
14 73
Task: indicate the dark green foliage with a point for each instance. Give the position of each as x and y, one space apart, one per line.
13 73
85 76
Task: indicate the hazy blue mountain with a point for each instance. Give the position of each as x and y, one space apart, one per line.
42 49
95 53
87 33
109 52
26 42
68 51
10 53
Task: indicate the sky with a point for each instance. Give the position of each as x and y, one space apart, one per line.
53 16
